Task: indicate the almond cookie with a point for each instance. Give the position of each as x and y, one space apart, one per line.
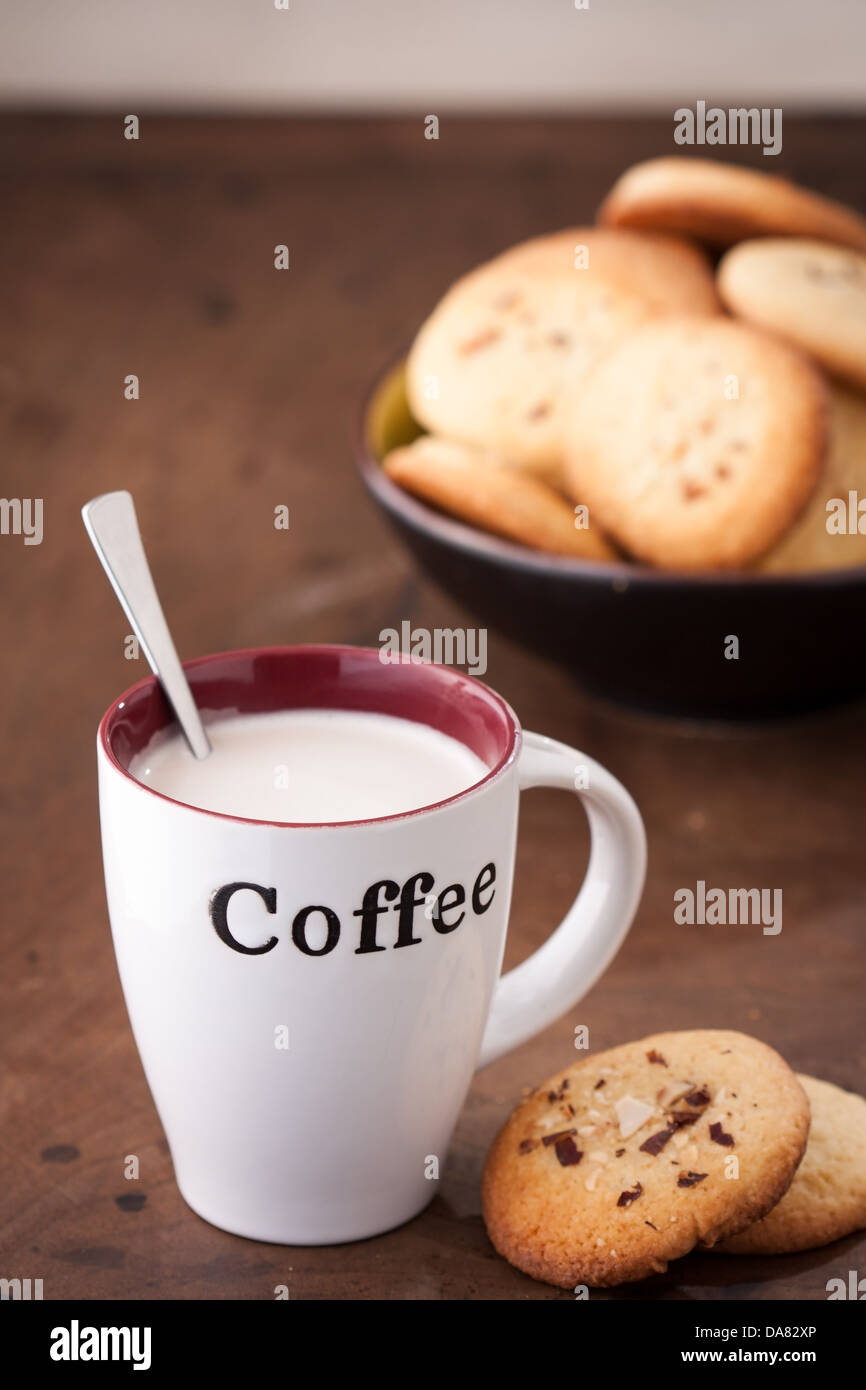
631 1158
477 488
513 338
723 203
809 545
697 443
827 1199
811 294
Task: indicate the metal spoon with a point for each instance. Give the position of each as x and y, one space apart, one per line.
113 528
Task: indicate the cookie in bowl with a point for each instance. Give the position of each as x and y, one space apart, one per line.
505 351
479 488
809 293
696 443
828 535
723 203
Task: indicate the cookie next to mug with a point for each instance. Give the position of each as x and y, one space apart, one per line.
697 442
827 1199
511 341
634 1156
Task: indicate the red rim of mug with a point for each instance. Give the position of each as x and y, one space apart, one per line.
143 710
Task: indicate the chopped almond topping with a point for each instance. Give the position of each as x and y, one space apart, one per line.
632 1115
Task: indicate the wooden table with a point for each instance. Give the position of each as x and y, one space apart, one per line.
156 258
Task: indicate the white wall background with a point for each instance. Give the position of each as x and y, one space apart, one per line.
403 55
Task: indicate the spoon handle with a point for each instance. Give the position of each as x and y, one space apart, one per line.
113 528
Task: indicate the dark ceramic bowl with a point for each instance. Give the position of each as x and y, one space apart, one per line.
646 638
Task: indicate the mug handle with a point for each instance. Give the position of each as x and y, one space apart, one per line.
560 972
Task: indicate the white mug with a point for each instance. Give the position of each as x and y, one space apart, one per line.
308 1050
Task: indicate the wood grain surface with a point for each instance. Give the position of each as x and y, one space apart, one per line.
156 258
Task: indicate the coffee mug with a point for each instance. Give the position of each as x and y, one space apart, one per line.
309 1034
